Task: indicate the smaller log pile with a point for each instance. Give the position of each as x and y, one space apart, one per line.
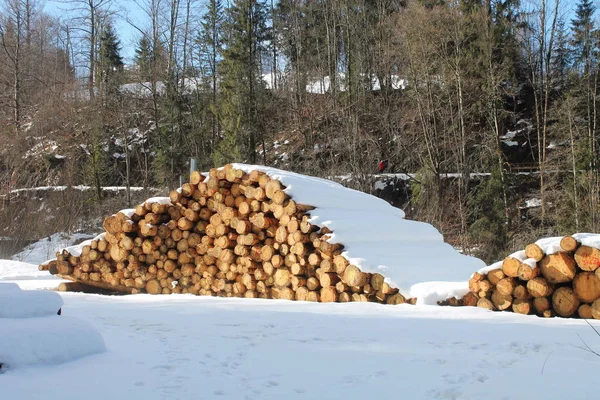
565 283
231 234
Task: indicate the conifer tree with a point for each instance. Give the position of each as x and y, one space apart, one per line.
110 63
240 68
210 42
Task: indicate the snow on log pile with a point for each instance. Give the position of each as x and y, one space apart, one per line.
250 231
553 276
32 332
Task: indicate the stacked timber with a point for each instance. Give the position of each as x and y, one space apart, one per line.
554 277
229 234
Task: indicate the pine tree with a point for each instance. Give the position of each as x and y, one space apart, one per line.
583 34
110 63
143 58
211 47
240 69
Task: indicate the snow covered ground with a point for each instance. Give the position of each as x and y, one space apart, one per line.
186 347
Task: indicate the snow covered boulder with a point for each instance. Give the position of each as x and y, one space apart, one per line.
32 333
252 231
16 303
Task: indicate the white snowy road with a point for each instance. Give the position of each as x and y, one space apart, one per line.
184 347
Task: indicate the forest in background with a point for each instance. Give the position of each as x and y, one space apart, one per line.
508 88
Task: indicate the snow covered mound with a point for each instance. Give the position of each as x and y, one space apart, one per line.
16 303
377 238
32 332
45 249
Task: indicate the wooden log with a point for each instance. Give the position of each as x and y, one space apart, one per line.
565 301
539 287
301 293
396 299
470 299
522 306
83 288
558 268
377 281
596 309
328 279
585 311
587 258
313 283
586 286
282 277
510 267
526 273
501 301
569 243
506 286
485 303
353 276
196 177
520 292
328 294
345 297
340 263
541 305
534 251
495 275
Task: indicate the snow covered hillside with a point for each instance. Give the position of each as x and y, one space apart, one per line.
181 347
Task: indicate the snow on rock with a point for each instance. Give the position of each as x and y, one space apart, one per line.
46 248
377 237
32 333
15 303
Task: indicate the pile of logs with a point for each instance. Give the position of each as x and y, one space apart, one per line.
230 234
566 283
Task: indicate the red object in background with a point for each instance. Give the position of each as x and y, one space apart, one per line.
381 166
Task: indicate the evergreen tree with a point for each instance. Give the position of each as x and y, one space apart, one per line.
210 51
583 34
143 58
240 68
110 63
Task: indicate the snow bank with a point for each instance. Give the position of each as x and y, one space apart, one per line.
32 332
15 303
377 237
46 340
15 270
44 249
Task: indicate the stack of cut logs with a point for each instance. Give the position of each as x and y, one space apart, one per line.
566 283
231 234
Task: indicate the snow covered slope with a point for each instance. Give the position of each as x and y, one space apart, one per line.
378 238
45 249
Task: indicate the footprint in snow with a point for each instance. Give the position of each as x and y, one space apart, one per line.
219 393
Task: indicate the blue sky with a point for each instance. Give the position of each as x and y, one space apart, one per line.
129 35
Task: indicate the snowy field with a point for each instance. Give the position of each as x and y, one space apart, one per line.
186 347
